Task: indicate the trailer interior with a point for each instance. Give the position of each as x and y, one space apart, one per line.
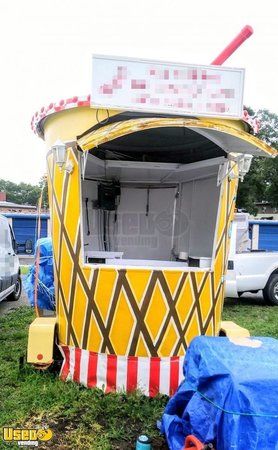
151 198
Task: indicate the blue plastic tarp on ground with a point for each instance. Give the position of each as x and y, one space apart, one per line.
229 396
46 299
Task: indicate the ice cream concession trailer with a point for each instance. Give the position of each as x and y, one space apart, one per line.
142 179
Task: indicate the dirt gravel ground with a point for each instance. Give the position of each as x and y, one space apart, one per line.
6 306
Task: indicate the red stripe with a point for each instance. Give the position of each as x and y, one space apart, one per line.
83 103
112 367
65 367
76 370
131 377
154 376
92 370
174 374
111 373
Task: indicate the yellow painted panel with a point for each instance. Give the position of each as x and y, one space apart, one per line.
142 349
232 192
170 340
193 328
199 278
206 299
62 324
210 328
138 281
66 271
72 213
219 266
87 272
68 124
185 301
56 288
104 291
58 180
122 326
79 310
181 351
55 232
156 312
218 309
173 278
95 337
222 216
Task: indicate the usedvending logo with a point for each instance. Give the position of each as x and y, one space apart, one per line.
26 436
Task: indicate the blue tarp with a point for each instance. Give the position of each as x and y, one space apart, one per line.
46 299
229 396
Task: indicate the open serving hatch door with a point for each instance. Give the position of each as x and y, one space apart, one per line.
154 167
227 135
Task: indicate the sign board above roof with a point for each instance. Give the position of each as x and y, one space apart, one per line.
169 88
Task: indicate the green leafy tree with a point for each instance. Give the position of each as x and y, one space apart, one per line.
261 183
24 193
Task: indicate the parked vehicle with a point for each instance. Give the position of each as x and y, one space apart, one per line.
10 280
264 234
251 271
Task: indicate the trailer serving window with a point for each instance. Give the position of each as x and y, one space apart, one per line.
151 198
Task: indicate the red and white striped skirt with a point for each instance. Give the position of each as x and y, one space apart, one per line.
150 375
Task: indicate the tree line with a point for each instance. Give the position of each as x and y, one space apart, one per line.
261 182
25 193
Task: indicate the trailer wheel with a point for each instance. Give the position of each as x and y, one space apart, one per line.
55 367
15 295
270 292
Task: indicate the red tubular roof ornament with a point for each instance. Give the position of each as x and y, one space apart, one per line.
244 34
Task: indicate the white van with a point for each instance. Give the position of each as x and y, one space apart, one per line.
250 271
10 281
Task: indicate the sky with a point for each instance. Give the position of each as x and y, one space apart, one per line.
46 50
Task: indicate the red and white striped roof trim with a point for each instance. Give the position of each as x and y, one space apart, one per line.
61 105
77 102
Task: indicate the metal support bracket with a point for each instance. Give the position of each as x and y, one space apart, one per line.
84 158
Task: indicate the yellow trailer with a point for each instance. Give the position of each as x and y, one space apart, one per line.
141 208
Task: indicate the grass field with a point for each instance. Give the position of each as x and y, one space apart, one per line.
87 419
24 269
